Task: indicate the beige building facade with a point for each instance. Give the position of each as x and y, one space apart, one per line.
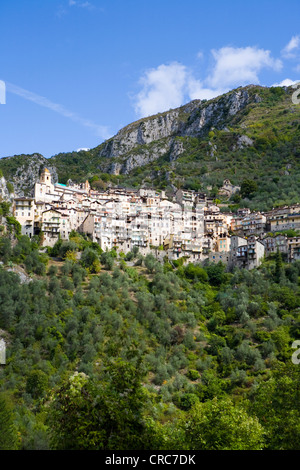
190 225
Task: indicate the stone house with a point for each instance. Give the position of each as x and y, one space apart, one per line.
246 253
293 248
284 221
216 257
252 224
54 225
24 212
228 189
271 244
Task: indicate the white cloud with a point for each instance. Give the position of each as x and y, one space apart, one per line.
240 66
64 9
100 131
289 51
80 4
197 90
286 82
169 86
162 88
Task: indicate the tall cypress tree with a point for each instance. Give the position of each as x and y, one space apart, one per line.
278 266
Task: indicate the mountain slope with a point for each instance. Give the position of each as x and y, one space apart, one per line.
251 132
248 133
148 139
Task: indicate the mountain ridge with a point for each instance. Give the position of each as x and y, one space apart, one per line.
195 146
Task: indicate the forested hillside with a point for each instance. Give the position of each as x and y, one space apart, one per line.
108 352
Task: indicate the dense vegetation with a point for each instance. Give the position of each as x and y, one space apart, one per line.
123 352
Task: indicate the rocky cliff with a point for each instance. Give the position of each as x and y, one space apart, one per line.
6 192
22 171
148 139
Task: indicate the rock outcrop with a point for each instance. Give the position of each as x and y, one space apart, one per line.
148 139
6 193
27 172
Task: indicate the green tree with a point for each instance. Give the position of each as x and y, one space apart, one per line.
4 208
37 383
8 433
102 414
150 262
276 404
90 260
13 225
248 188
5 250
65 247
216 273
279 272
107 260
192 271
222 425
52 272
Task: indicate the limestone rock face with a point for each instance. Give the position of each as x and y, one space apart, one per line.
142 133
146 140
5 194
216 112
242 141
145 156
28 173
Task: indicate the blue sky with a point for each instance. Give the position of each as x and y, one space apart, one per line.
76 71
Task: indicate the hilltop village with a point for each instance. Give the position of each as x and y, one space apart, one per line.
190 225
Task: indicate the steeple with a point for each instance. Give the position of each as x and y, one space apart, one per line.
45 176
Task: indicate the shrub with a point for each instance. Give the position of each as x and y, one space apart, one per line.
192 271
65 247
36 384
193 374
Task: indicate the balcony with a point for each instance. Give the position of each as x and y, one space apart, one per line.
196 248
50 230
140 243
